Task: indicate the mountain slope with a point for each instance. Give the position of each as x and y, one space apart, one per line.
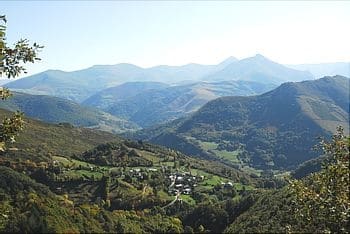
55 110
270 212
275 129
161 105
28 206
109 96
259 69
41 139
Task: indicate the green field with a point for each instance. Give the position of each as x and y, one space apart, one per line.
188 199
231 156
73 163
75 174
223 154
207 145
251 170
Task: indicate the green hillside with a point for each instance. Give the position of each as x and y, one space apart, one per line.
27 206
269 212
124 187
55 110
67 179
43 139
273 130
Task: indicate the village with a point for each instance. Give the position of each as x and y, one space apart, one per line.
178 182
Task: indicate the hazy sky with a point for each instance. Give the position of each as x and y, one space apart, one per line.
79 34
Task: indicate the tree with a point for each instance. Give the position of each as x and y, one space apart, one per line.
322 199
106 183
208 215
11 60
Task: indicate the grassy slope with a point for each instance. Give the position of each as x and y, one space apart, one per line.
41 139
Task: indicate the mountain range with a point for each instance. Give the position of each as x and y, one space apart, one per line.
276 129
82 84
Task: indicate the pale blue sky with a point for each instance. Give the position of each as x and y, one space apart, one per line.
79 34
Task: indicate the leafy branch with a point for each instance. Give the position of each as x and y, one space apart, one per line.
11 66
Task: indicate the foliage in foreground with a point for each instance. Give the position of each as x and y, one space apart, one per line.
10 66
323 198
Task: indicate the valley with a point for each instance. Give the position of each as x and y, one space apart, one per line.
241 145
119 175
222 160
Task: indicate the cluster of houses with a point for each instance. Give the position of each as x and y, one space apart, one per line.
179 182
139 173
183 182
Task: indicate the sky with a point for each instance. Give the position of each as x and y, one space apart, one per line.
79 34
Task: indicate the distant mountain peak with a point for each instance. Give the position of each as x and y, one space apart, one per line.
231 58
118 65
53 71
260 57
228 61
